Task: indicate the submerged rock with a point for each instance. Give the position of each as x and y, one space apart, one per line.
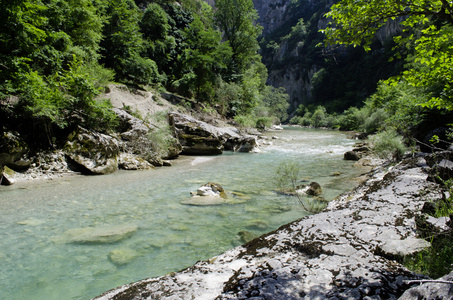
97 235
122 256
246 236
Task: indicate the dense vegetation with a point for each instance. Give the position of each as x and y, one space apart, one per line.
421 94
412 99
56 56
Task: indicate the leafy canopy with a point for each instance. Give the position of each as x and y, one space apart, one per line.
355 22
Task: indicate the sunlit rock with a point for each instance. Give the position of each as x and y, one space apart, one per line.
7 176
200 138
127 161
213 193
93 151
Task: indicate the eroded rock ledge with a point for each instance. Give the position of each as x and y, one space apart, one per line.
344 252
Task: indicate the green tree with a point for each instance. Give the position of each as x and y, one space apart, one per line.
237 20
81 20
355 22
123 44
277 100
21 34
206 56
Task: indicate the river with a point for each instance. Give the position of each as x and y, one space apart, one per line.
37 263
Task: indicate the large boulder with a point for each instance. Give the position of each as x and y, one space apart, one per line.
144 139
94 152
196 137
6 176
200 138
12 148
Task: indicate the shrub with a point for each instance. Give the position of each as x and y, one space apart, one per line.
318 119
263 122
245 121
375 121
388 145
287 178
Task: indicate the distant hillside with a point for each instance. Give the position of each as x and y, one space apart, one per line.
314 74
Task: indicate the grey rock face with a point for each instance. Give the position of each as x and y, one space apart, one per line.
12 147
138 138
431 290
96 152
344 252
200 138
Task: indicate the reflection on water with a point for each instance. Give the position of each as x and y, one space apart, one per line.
40 259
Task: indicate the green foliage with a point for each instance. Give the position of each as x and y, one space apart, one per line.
122 44
226 94
277 100
402 105
287 177
154 22
237 20
388 145
206 56
356 22
436 261
56 55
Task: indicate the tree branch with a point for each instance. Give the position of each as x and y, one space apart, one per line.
428 281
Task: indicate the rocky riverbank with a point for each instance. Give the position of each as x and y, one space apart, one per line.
151 132
351 250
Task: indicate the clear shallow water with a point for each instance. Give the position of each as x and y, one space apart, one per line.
35 264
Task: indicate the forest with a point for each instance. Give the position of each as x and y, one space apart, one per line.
57 56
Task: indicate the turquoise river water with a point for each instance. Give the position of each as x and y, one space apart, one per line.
36 264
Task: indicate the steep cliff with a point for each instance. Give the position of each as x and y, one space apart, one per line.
293 51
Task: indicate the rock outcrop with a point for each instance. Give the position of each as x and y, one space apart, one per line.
138 138
348 251
95 152
200 138
12 148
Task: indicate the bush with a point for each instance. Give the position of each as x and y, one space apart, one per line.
245 121
375 121
263 122
318 119
139 70
388 145
287 178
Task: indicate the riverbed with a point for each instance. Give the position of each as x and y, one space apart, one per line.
39 262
